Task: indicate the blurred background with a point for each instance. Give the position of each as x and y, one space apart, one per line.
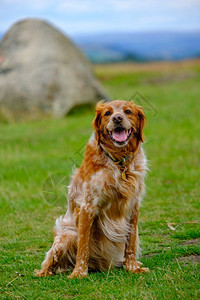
47 50
114 30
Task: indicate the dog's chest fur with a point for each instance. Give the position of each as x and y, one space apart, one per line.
109 194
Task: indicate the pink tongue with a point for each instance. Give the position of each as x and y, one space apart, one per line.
120 136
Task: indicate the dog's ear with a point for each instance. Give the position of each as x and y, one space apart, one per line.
142 122
97 121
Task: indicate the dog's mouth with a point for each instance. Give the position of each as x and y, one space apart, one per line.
120 135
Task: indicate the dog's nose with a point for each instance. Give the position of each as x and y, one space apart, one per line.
117 118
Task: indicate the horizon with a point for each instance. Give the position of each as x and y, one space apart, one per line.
149 45
137 32
111 32
106 32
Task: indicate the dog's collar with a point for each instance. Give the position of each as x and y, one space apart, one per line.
115 160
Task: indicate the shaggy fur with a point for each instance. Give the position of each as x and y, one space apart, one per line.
100 228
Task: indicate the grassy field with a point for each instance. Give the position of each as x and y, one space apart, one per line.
36 160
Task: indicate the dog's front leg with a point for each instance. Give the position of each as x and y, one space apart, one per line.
132 265
84 226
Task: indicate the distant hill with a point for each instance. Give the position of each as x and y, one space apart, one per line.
146 46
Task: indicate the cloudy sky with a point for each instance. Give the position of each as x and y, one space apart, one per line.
89 16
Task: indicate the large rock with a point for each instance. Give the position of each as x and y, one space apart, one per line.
42 73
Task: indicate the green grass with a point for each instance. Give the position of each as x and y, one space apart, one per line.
36 161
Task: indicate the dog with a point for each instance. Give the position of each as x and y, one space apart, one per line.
100 227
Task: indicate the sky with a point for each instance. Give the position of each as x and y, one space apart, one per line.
94 16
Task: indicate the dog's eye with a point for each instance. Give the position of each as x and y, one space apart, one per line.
108 113
128 112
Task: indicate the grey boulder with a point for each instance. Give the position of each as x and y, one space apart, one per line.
42 73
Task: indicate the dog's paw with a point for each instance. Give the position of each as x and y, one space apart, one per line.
43 273
78 274
135 267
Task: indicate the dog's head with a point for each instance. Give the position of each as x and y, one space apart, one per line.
118 124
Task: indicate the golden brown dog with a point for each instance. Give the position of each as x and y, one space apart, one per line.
100 228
